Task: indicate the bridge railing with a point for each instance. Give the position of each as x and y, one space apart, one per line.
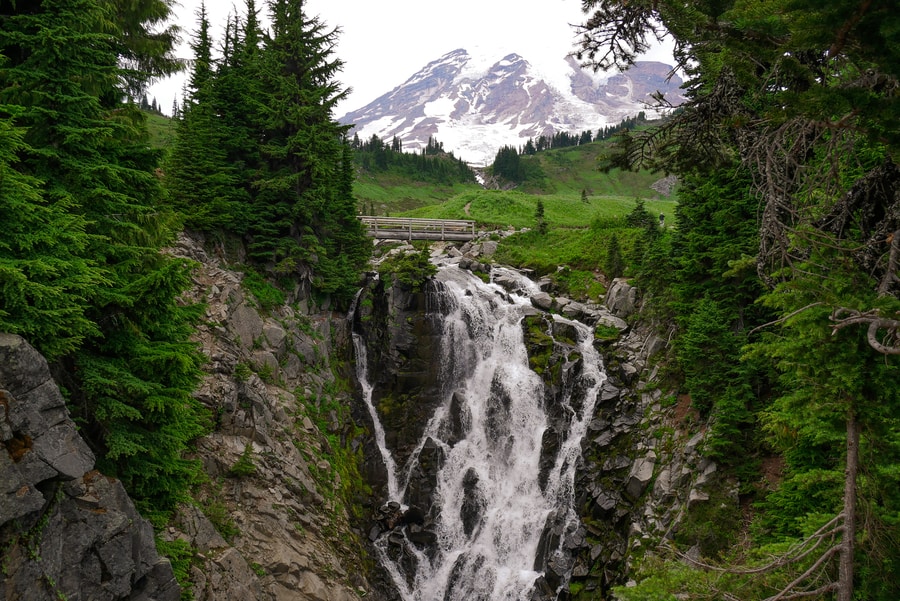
411 228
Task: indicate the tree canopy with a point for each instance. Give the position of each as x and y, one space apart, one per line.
787 152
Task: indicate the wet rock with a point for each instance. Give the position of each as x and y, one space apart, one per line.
542 300
473 503
550 441
460 418
423 477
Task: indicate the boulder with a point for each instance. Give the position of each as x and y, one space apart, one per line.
85 539
621 298
640 475
542 300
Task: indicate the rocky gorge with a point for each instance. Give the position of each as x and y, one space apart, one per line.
298 502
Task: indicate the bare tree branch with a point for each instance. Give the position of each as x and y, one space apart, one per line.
783 318
843 317
788 592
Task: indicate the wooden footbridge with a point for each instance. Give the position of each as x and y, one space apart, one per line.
407 228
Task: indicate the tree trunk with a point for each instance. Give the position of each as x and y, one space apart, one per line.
845 571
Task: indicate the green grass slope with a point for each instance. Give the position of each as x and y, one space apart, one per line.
573 169
505 209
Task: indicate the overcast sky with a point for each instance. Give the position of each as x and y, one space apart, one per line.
384 42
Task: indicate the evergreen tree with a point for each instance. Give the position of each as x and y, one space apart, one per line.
202 185
540 223
804 93
615 263
89 158
143 41
300 215
508 165
44 271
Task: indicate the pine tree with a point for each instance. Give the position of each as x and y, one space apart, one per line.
540 223
44 270
202 185
301 215
805 94
89 157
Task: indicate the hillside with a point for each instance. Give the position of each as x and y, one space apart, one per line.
563 177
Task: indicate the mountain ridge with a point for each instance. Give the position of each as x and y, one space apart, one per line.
474 104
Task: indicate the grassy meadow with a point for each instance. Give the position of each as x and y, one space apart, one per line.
583 209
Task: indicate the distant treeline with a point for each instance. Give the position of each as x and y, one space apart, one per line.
432 164
508 166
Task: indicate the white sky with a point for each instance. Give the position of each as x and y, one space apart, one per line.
384 42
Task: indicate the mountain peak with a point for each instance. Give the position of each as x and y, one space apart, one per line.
476 103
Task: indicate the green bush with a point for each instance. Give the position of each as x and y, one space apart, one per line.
265 293
411 270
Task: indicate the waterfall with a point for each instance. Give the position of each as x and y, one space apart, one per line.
362 375
495 523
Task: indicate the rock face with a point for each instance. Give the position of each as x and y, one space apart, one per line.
274 520
403 354
66 531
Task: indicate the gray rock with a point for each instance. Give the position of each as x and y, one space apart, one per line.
247 325
542 300
640 475
92 543
275 336
507 281
621 298
488 248
605 318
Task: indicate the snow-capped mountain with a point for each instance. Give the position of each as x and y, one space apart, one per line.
475 106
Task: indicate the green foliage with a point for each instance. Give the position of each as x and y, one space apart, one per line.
136 383
242 372
182 556
83 164
217 513
431 165
614 266
44 271
508 166
640 217
259 155
265 293
245 465
540 223
410 270
512 208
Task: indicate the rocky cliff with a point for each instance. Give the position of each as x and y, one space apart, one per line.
274 520
66 531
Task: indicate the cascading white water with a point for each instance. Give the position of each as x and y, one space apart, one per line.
362 375
492 508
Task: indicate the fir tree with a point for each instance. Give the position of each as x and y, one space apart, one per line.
301 215
89 157
202 184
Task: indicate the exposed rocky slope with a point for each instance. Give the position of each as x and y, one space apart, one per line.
66 531
273 522
476 104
